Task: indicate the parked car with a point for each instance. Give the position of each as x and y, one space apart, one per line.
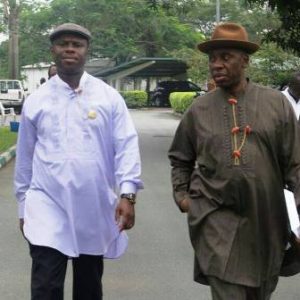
12 93
161 94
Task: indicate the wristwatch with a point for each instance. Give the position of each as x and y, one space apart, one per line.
130 197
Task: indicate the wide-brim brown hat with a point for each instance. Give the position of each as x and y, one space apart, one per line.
70 28
229 35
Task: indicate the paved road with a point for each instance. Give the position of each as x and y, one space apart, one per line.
158 264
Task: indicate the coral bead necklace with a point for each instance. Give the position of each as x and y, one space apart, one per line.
235 131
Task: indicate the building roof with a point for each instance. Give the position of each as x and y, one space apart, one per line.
145 67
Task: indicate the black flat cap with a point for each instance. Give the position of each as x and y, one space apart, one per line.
70 28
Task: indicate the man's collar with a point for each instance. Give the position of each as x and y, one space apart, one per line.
64 84
290 93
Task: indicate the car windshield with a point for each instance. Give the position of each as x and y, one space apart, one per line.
13 85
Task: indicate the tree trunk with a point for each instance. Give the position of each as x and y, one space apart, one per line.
11 9
13 27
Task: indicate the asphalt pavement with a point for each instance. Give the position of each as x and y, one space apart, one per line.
159 261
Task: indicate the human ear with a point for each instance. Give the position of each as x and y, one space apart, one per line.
246 60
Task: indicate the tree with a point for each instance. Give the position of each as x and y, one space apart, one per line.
257 21
272 65
11 10
126 29
120 29
287 35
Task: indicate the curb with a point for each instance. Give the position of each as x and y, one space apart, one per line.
5 157
179 115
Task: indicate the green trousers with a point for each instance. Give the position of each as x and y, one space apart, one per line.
222 290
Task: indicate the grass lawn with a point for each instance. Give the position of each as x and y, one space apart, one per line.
7 138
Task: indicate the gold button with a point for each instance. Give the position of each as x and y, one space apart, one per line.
92 114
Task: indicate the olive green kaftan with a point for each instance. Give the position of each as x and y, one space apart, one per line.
237 218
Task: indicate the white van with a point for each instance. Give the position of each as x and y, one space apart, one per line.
12 93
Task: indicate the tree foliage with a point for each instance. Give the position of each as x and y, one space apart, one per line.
256 20
126 29
120 29
287 35
272 65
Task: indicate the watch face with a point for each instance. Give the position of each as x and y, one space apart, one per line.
131 196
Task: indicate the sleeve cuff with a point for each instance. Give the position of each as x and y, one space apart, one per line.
128 187
179 196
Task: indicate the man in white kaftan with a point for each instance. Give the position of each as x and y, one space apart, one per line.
292 92
77 150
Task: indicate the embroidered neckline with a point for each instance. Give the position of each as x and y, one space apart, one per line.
236 131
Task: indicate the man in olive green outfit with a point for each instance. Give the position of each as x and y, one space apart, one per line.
235 150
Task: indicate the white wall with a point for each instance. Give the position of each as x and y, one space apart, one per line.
32 76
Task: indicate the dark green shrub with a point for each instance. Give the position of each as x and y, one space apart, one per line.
135 99
180 101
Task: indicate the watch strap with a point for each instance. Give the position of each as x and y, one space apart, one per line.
129 196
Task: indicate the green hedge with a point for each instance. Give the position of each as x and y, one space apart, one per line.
135 99
180 101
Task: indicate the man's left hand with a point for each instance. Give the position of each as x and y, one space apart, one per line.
125 215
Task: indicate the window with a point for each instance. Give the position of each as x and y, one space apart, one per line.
3 86
10 85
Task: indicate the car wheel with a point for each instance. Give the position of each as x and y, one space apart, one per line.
18 109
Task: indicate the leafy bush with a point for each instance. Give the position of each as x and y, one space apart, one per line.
180 101
135 99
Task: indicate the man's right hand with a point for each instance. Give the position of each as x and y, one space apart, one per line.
184 205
